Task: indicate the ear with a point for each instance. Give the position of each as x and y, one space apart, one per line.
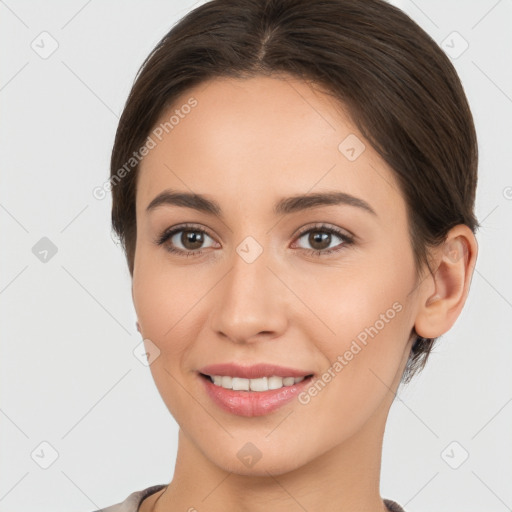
138 327
446 291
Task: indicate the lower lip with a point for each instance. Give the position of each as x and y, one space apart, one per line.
252 403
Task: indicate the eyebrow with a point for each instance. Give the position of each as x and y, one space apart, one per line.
284 206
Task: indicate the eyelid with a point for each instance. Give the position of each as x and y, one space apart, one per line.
187 226
346 237
325 225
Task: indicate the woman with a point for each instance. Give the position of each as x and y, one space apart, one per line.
293 184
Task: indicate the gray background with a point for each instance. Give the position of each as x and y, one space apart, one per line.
68 373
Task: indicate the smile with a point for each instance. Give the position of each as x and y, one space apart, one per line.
261 384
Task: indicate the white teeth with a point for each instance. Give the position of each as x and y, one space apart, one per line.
225 382
239 384
275 382
258 384
261 384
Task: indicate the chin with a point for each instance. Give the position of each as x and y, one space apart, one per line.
245 458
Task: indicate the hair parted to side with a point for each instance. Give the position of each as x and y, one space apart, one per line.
400 89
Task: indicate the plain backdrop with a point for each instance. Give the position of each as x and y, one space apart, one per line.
82 423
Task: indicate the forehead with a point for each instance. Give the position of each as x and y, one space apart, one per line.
263 137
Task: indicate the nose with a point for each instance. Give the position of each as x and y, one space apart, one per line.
251 301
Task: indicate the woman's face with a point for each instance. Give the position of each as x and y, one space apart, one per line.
253 280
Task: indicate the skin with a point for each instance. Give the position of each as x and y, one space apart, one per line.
247 144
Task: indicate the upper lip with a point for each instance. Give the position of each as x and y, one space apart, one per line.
254 371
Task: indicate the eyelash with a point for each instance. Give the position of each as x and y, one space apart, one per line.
169 233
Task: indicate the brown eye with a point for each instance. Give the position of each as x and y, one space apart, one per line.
185 240
192 240
320 238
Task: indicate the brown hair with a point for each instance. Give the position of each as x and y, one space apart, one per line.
401 90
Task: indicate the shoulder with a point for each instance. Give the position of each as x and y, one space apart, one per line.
132 502
393 506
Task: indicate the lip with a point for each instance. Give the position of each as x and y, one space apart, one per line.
251 403
254 371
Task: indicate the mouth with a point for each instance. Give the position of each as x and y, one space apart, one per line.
258 385
254 371
252 391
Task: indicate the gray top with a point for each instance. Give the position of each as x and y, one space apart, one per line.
133 501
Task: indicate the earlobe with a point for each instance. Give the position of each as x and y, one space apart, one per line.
454 263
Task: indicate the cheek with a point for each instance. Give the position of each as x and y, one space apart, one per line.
164 299
365 312
365 352
164 305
